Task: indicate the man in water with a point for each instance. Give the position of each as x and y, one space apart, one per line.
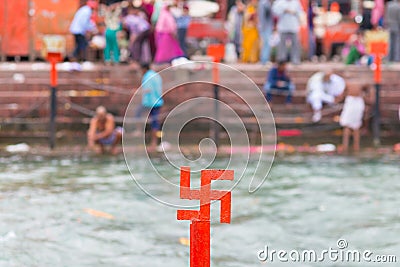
102 131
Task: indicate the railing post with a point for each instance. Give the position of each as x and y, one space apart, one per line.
216 51
377 117
53 112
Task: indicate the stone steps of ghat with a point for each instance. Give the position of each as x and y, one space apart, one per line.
79 93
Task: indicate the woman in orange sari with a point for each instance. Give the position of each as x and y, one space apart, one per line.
250 42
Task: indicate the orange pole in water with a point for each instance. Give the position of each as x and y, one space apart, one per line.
200 219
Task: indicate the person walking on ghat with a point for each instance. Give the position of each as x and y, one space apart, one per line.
288 13
183 21
392 22
102 131
166 42
265 28
113 26
151 89
250 36
80 25
234 25
140 32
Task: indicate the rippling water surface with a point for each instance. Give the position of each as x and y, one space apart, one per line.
309 202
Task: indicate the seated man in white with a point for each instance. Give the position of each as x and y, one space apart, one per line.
323 87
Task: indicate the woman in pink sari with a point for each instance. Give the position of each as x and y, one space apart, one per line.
167 46
377 13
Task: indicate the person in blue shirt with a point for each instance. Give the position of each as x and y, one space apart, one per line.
80 25
182 22
279 81
152 101
265 28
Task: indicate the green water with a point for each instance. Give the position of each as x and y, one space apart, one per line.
309 202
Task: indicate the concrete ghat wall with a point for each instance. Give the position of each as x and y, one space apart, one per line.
24 92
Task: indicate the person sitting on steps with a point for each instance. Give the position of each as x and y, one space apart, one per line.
279 81
102 131
323 87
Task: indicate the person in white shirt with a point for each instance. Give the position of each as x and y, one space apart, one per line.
289 14
80 25
323 87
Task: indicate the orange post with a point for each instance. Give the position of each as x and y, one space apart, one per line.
378 49
53 58
200 219
217 52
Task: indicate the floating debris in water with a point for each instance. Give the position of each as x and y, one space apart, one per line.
184 241
100 214
8 236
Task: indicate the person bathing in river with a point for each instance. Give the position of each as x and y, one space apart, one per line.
102 131
352 114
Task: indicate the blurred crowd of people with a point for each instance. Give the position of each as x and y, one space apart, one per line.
268 30
260 31
258 26
151 31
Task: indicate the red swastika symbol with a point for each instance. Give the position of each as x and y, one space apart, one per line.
200 219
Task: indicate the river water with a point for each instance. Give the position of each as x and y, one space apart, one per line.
88 211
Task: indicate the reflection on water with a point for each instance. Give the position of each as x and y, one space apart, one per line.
307 203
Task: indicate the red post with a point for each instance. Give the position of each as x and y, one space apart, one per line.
53 58
200 219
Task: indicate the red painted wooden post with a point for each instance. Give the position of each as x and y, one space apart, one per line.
200 219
